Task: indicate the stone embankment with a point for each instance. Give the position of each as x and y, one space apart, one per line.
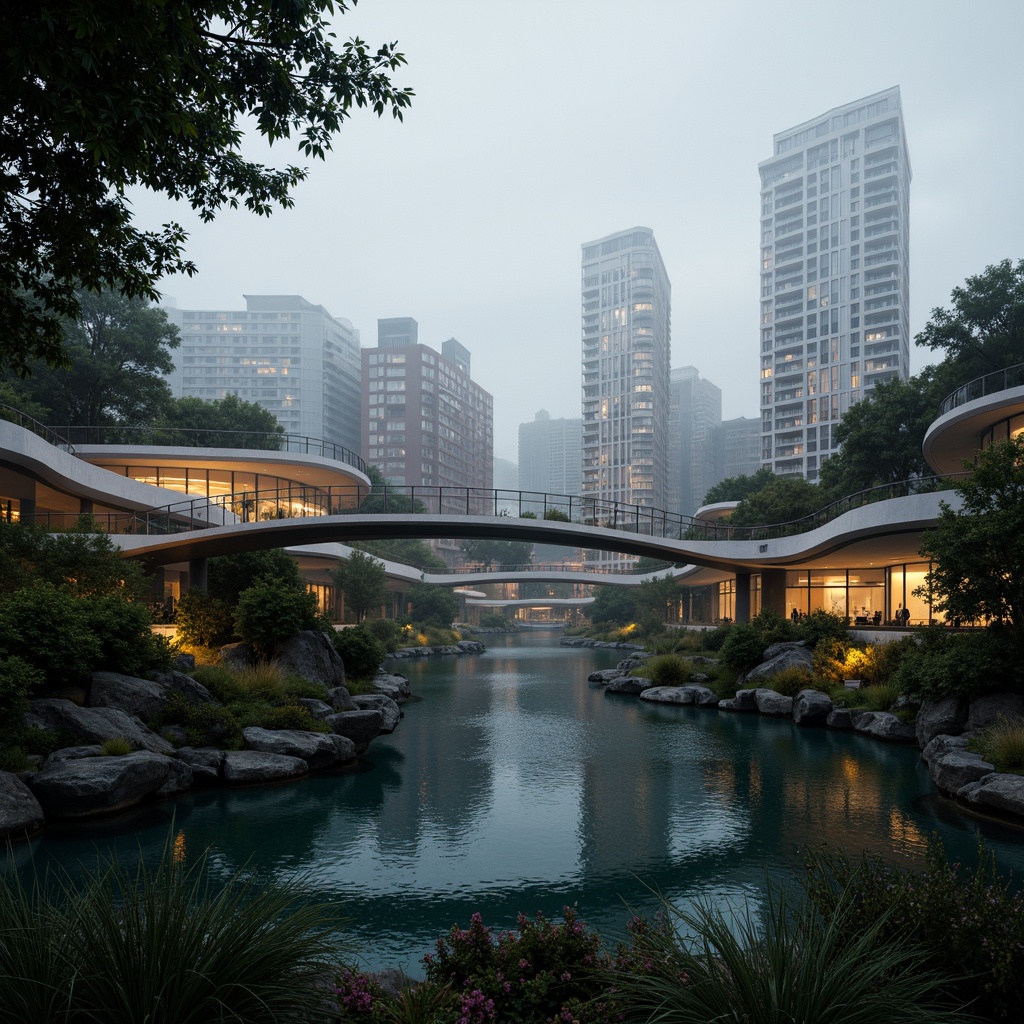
80 782
462 647
942 729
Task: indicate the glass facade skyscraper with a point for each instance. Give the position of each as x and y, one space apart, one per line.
835 261
627 302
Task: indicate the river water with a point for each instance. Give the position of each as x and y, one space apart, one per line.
512 784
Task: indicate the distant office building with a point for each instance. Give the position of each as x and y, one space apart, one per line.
835 269
695 415
397 332
627 300
740 447
284 353
506 474
550 455
424 420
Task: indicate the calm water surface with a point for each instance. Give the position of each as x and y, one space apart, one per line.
514 784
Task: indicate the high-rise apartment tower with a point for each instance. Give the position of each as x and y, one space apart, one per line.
627 302
834 275
695 417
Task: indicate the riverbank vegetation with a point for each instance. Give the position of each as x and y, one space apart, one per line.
851 940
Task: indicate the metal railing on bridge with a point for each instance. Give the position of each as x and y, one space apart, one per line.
990 384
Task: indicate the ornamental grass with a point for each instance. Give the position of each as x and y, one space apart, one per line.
163 945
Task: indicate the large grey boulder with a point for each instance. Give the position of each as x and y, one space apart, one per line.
744 700
340 699
317 708
257 767
179 779
941 745
93 725
388 708
940 717
632 685
987 710
668 695
883 726
606 675
773 704
839 718
185 686
205 762
359 726
392 685
91 786
20 812
133 696
952 771
344 747
997 792
704 697
311 654
237 656
779 658
811 707
315 748
471 647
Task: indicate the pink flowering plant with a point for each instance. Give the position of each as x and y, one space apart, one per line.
545 971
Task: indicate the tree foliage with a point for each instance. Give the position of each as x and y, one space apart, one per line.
983 330
228 422
433 605
501 554
362 578
105 96
736 488
978 548
229 575
116 355
783 500
613 605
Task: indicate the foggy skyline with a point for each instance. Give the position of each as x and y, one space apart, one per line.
537 126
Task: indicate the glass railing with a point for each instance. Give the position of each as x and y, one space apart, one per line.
180 437
990 384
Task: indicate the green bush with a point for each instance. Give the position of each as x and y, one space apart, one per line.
714 639
203 723
48 628
829 658
790 681
204 620
281 716
938 663
556 515
494 620
17 680
666 670
743 648
967 919
116 746
361 652
820 625
387 631
778 963
164 944
271 611
122 629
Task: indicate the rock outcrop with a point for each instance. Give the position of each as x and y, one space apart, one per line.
21 814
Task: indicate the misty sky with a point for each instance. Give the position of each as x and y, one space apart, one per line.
541 124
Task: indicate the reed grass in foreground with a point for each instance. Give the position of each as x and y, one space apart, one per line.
164 945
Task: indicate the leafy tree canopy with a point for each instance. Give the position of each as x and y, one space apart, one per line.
386 498
736 488
503 554
783 500
433 605
363 579
229 575
408 552
978 548
983 330
228 422
116 355
613 604
881 437
108 95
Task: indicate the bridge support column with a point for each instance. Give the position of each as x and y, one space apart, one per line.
773 591
742 597
197 575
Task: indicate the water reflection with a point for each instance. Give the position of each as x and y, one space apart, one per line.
514 784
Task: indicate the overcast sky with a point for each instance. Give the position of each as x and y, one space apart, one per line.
541 124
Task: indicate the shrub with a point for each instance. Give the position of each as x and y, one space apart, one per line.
531 975
556 515
17 680
122 629
116 746
163 943
743 648
778 963
879 697
790 681
829 659
271 611
361 652
284 716
820 625
387 631
939 663
714 639
204 620
494 620
1002 745
962 917
204 724
666 670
